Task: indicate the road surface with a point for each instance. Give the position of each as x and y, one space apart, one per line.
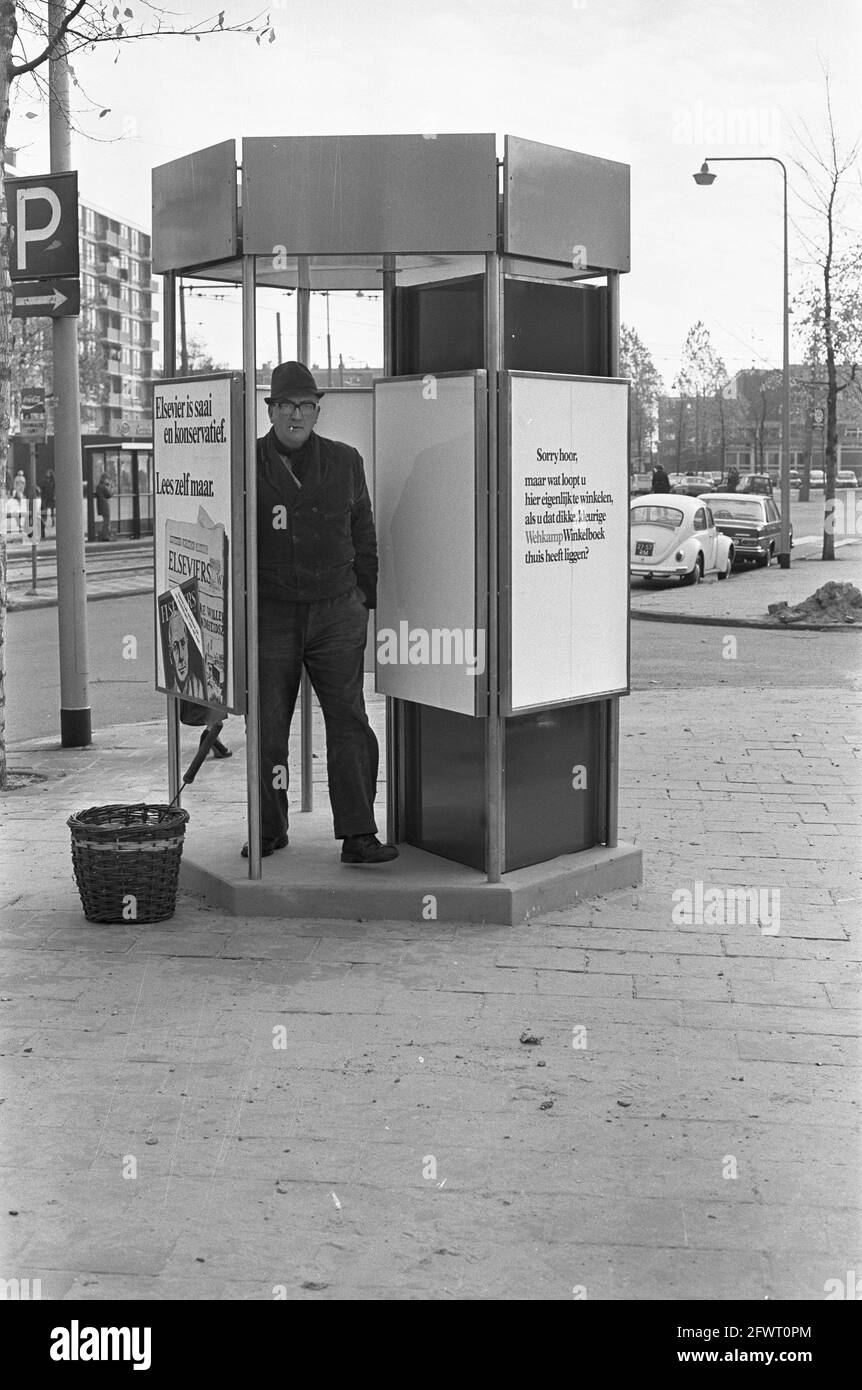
666 656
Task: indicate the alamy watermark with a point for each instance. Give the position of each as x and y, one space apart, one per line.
726 125
728 907
437 646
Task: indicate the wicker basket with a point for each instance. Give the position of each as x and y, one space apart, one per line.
127 861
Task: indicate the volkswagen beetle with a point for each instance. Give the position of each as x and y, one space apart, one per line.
676 537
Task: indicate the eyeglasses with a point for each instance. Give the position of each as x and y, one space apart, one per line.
306 408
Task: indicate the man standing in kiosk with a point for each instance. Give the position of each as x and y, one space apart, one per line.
317 580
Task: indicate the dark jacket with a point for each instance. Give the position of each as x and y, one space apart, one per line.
104 493
660 480
316 541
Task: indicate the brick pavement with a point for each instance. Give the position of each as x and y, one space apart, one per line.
403 1143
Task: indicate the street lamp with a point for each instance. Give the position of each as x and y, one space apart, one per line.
704 177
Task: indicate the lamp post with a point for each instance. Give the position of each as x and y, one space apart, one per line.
705 177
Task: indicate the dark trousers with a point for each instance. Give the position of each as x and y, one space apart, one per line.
328 638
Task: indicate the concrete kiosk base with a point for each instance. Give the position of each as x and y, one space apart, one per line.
308 880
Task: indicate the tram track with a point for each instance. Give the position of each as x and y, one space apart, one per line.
130 562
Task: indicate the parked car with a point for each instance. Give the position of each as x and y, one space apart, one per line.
816 478
760 483
795 478
641 484
693 484
845 477
752 523
673 536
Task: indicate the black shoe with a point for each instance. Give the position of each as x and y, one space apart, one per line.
219 749
267 847
366 849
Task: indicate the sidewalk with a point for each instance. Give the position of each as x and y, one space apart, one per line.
219 1108
744 598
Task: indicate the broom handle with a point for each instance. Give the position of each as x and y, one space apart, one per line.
194 766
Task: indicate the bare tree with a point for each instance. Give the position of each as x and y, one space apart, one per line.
706 375
681 385
831 301
27 41
637 364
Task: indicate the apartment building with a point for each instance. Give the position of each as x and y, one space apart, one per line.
747 422
116 325
115 328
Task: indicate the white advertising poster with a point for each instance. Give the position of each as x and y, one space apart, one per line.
195 437
431 646
568 539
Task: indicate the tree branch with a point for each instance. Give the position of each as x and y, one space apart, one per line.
16 69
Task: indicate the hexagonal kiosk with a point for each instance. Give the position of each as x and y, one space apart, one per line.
500 490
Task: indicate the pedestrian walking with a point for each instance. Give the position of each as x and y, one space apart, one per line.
104 493
660 480
19 499
317 580
49 494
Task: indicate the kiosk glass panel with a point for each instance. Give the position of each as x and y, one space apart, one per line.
440 327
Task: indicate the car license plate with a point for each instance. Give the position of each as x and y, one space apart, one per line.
643 547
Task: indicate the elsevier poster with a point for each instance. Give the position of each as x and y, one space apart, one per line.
196 457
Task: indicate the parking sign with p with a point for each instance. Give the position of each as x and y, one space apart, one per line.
43 226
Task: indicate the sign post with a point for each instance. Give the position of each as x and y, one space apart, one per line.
33 415
39 253
43 230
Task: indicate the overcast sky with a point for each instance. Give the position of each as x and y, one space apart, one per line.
656 84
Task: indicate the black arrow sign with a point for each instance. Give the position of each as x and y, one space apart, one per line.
49 299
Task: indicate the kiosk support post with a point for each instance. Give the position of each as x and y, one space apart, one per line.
173 708
612 721
303 343
495 828
252 717
393 721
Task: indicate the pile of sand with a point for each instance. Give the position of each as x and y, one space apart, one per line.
832 603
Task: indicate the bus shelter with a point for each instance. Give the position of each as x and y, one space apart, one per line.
128 465
500 483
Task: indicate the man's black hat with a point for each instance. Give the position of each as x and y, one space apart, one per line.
288 379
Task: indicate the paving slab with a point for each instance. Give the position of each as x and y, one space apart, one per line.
325 1108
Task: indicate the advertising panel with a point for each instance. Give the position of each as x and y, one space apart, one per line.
431 460
565 534
198 530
